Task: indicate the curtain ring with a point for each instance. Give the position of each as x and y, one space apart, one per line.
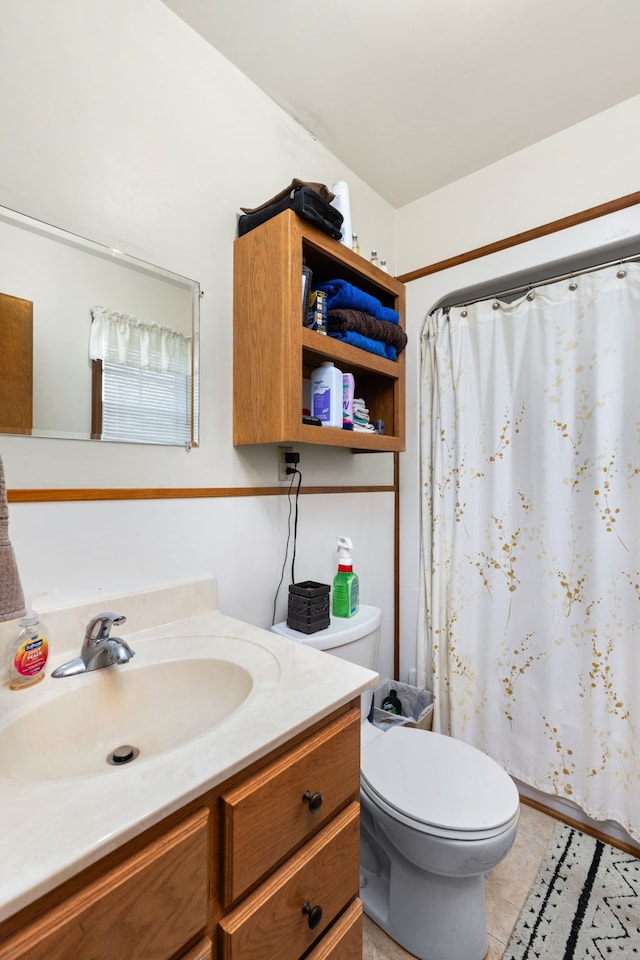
573 285
621 274
463 313
531 295
495 305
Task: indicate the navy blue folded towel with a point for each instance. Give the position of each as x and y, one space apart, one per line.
365 343
343 295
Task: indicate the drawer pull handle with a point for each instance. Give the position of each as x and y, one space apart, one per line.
313 799
314 914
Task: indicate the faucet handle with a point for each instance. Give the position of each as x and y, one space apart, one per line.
122 652
99 627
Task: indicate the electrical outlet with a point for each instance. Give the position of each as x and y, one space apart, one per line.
282 464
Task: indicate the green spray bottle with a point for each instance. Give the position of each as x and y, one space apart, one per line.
346 590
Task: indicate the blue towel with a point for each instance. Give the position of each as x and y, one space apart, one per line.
342 296
365 343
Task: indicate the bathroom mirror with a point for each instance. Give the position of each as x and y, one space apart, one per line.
94 344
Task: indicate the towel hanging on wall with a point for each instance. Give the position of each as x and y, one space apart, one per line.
11 595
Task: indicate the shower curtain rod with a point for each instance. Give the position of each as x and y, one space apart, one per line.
526 287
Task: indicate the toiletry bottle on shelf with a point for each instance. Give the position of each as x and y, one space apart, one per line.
28 652
342 204
374 258
348 388
346 590
391 704
383 266
355 243
326 394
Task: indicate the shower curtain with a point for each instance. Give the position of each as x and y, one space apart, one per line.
530 460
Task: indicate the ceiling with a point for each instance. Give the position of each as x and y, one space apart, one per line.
414 94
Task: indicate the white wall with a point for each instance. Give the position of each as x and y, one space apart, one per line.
589 164
120 124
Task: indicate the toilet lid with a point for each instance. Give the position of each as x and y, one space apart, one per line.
439 782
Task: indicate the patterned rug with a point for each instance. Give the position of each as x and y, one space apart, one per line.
584 903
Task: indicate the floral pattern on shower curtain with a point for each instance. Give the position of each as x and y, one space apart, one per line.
530 459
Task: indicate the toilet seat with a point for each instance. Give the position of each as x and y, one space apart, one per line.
438 785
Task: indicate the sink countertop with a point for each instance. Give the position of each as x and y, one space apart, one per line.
52 829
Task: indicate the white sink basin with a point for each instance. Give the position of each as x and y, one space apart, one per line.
170 693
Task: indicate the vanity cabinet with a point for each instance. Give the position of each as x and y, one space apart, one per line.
264 866
273 353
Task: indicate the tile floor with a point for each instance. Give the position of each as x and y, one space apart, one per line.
506 889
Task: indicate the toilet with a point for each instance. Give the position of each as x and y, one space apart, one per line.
436 816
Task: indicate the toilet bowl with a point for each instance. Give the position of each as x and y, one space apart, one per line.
437 815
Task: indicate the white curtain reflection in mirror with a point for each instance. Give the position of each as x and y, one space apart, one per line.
141 379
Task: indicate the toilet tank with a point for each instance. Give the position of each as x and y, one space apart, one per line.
356 638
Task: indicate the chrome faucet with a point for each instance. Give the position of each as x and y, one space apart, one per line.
99 649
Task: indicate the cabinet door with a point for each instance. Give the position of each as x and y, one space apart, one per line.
145 909
288 913
270 814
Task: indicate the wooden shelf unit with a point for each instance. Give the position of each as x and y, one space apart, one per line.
273 352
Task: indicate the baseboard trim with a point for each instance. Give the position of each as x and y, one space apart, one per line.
578 824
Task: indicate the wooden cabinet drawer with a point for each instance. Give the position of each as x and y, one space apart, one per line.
145 909
267 816
344 940
271 923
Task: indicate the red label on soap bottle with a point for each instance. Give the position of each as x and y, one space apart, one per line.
31 657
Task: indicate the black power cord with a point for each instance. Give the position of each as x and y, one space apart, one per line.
293 470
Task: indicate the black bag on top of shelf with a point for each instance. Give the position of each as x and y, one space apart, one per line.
309 203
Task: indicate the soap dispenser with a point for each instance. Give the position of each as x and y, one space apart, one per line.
28 652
